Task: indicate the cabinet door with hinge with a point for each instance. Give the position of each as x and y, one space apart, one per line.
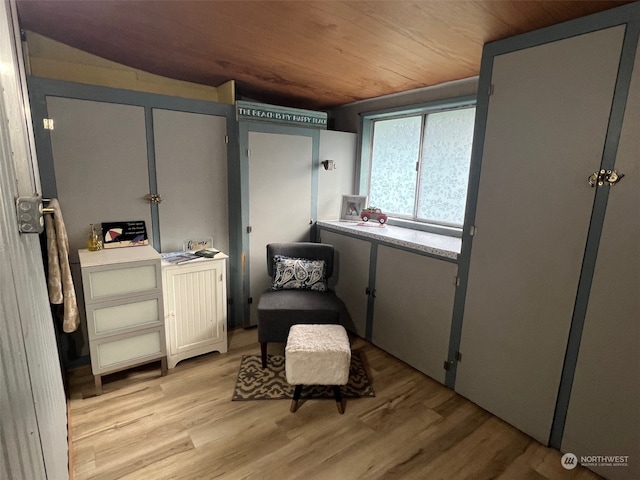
603 412
413 308
191 171
195 299
100 161
546 126
351 276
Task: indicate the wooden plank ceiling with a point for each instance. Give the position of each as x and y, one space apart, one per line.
307 54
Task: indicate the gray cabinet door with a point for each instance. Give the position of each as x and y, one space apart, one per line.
545 132
604 414
414 308
351 276
279 200
191 171
100 161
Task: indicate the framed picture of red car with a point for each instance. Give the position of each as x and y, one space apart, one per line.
352 206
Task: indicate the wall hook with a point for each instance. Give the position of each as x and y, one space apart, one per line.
329 164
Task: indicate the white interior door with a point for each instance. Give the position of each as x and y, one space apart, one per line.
545 133
100 161
279 199
191 171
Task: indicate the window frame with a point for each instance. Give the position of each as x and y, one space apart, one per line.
366 145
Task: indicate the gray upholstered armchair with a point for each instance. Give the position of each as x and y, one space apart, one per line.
299 293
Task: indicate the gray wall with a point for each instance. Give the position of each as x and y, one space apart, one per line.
347 117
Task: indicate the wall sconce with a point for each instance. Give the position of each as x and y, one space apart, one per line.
329 165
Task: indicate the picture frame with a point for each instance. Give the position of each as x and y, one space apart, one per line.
124 234
352 206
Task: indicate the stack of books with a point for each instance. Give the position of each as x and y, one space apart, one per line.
179 257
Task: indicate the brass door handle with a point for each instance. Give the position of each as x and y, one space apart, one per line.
153 198
614 177
610 177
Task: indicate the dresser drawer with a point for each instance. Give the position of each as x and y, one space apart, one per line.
110 318
126 280
111 355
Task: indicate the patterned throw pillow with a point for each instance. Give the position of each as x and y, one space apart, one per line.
299 274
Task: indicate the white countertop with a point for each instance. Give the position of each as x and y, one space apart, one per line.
218 256
432 243
109 256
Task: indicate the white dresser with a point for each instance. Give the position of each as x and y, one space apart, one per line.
195 300
124 307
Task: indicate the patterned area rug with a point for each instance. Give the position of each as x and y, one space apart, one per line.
257 383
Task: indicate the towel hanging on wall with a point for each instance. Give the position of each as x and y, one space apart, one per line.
60 282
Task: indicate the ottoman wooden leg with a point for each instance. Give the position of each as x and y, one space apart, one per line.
339 402
296 397
263 354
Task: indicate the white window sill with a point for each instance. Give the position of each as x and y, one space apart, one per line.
431 243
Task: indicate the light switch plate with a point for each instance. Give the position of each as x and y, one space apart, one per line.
30 214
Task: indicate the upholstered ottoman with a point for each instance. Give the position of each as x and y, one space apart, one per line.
317 355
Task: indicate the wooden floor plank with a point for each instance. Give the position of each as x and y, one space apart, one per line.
184 426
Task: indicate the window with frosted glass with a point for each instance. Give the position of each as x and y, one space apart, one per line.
394 154
419 165
444 167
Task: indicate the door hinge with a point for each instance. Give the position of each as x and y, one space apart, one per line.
226 139
472 230
250 300
490 92
248 152
48 123
249 229
456 281
449 364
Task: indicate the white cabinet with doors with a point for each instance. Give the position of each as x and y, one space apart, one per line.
195 295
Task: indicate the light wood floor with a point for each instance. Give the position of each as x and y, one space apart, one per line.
185 426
